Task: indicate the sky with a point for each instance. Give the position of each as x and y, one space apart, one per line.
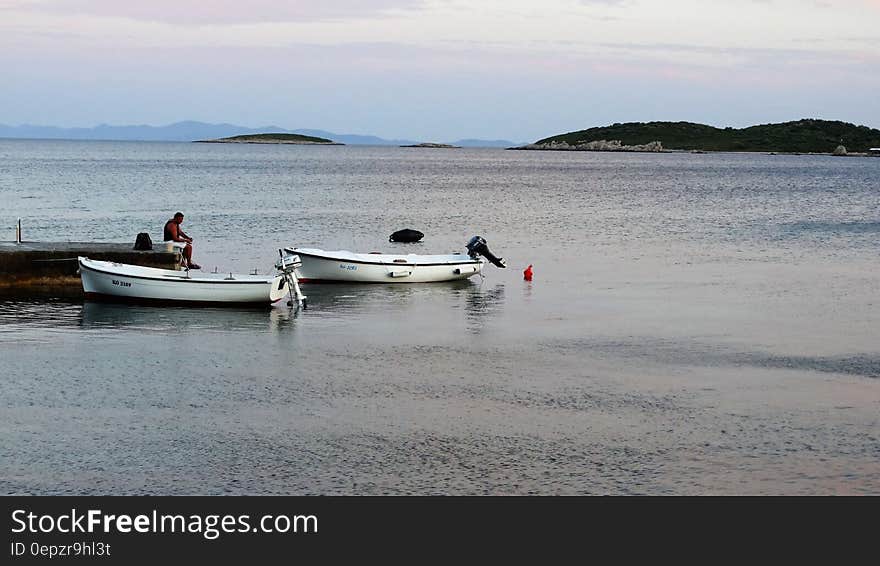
436 70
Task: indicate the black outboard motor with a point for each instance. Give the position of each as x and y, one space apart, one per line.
406 235
477 245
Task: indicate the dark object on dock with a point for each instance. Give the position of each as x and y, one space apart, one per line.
143 242
49 269
406 235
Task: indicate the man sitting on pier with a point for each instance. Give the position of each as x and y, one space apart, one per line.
173 233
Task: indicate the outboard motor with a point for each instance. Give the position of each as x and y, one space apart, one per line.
477 245
287 264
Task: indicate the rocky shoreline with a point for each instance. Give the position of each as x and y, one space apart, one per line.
657 147
597 145
434 145
287 142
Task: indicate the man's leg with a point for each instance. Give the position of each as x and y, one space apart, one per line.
188 252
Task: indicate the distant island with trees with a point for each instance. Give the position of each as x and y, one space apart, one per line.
274 138
802 136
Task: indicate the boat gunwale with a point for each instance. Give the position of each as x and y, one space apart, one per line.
390 264
173 279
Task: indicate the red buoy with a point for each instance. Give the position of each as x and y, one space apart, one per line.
527 274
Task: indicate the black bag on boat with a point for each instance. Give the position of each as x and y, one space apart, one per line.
406 235
143 242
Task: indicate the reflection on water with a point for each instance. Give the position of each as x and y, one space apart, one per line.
344 298
481 303
432 308
44 314
172 319
22 318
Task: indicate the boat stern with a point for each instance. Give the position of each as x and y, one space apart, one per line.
279 288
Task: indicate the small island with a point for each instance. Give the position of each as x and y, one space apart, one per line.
296 139
435 145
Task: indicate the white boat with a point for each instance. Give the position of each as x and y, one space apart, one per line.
341 265
135 283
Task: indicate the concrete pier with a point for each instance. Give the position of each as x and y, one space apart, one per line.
41 269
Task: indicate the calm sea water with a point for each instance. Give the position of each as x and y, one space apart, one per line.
697 324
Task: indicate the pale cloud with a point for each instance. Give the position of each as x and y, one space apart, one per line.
519 24
711 34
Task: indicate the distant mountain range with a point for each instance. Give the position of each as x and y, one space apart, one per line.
192 131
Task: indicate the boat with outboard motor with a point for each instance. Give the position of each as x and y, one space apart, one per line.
344 266
134 283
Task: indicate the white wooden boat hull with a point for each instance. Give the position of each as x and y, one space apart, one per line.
343 266
117 281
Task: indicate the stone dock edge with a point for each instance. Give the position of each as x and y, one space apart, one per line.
50 269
